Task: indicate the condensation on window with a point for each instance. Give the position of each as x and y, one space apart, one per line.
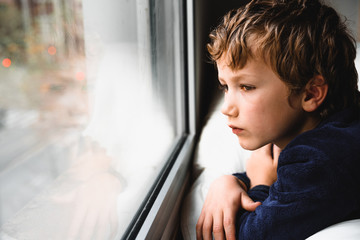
88 113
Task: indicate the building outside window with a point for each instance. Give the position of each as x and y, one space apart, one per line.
92 107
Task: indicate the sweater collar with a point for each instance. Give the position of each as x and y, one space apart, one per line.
344 116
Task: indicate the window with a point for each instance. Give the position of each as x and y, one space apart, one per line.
94 115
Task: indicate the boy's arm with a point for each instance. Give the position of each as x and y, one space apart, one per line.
305 199
261 167
229 194
226 195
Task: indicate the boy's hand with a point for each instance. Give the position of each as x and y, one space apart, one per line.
226 195
261 168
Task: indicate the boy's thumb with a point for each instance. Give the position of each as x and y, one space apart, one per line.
248 204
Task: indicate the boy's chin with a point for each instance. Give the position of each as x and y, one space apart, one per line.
249 145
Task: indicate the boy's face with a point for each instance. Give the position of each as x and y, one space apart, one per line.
258 107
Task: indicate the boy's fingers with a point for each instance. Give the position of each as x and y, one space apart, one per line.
229 224
218 228
267 149
204 230
207 228
248 204
199 225
276 152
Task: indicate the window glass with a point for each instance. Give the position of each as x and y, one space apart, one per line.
90 108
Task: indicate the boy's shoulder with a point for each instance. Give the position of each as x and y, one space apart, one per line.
336 128
336 136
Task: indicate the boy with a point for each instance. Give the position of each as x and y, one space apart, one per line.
287 70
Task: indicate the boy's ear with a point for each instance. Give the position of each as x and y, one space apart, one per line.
315 92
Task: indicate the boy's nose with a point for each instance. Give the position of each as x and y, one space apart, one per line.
229 107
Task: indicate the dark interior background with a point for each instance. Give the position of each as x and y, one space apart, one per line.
207 15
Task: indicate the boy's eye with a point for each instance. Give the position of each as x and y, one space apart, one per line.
223 87
246 87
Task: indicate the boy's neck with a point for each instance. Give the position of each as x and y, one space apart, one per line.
310 122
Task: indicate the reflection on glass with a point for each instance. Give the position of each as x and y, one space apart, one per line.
88 113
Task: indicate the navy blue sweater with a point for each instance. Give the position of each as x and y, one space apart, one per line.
318 183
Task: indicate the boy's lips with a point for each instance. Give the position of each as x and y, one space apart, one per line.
236 130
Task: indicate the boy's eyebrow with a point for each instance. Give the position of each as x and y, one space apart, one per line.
236 77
